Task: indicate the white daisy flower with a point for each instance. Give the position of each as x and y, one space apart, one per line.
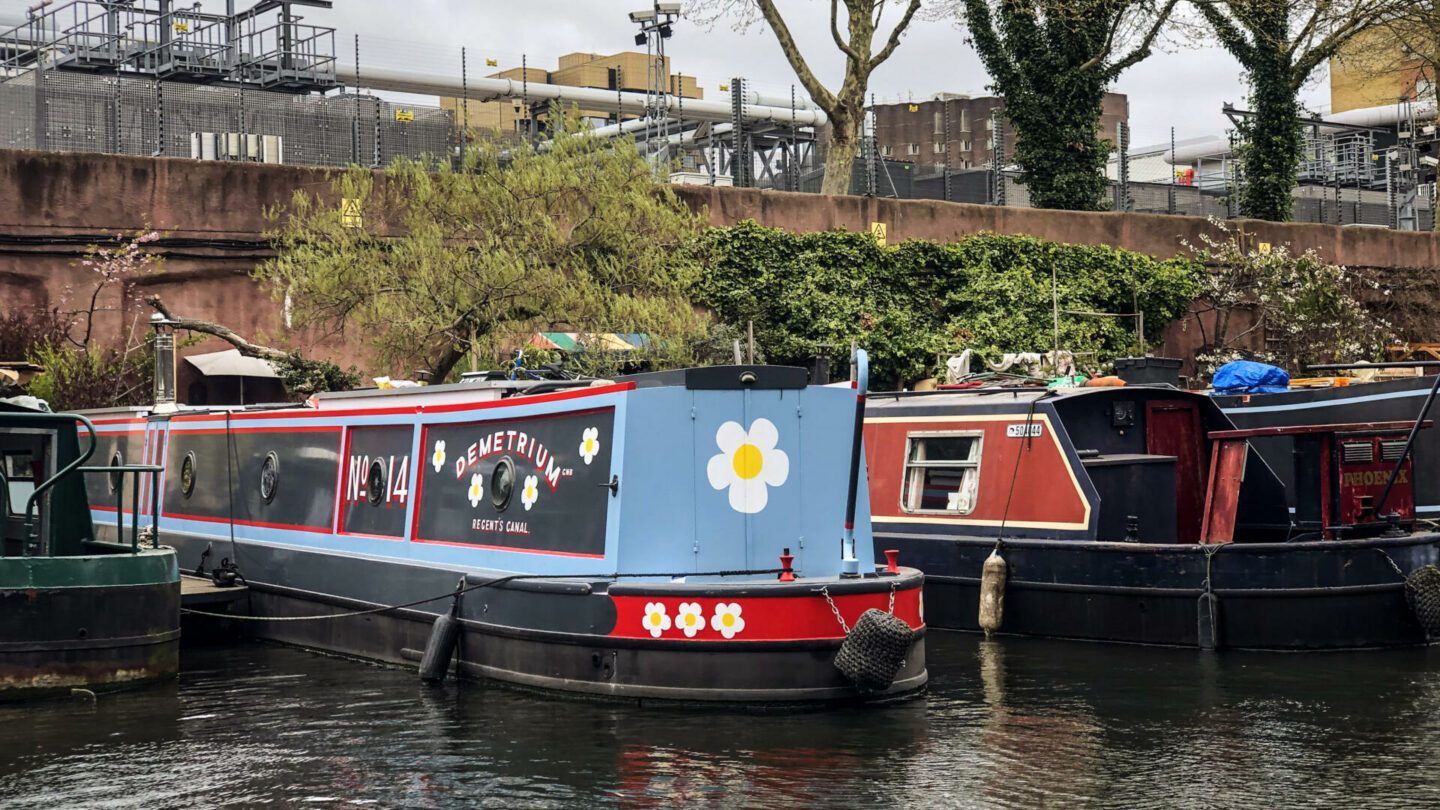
748 463
656 621
590 444
727 619
438 459
530 492
477 489
691 618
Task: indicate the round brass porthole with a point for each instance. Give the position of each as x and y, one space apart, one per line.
375 483
187 474
116 477
502 483
269 476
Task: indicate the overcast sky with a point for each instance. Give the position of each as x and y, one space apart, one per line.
1183 88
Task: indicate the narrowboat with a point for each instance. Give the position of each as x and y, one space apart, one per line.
1385 400
672 536
1142 514
76 611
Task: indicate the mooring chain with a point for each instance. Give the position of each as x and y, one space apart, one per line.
892 599
825 591
1388 559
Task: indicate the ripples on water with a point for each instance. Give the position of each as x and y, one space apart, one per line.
1018 723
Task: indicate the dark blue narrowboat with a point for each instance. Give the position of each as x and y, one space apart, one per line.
1386 400
1144 515
677 536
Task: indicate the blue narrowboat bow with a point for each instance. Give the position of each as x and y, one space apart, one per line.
666 536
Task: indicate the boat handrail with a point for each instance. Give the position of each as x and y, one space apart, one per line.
137 470
1296 430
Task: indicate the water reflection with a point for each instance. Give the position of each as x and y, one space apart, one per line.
1010 723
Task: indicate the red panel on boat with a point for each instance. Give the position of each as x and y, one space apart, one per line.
1172 428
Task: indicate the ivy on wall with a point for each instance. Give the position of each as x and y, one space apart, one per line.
816 292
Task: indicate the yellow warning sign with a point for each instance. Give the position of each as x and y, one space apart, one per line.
877 230
404 115
1263 248
182 28
492 63
350 215
914 108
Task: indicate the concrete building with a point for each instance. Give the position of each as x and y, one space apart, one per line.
626 71
920 131
1375 69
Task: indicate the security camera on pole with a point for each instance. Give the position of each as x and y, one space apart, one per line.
656 25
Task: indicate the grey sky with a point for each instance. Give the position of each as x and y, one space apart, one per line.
1183 88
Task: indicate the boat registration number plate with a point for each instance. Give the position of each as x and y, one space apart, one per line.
1024 429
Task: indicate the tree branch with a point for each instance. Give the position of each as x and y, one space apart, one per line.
894 41
835 33
194 325
1227 32
818 91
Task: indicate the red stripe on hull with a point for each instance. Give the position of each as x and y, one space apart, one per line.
766 618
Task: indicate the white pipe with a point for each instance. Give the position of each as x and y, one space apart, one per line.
1386 115
589 98
1215 146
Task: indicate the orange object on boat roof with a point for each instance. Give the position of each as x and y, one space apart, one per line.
1103 382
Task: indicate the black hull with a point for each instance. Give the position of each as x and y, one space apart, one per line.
97 638
540 635
1272 596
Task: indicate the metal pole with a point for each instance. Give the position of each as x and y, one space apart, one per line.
464 106
1171 201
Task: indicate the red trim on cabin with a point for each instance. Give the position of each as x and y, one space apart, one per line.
302 429
1044 489
256 523
123 421
299 413
767 618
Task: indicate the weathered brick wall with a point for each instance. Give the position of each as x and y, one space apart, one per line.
212 217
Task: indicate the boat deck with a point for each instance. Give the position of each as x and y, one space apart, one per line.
199 591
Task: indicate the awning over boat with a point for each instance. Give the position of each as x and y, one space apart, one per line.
606 341
231 363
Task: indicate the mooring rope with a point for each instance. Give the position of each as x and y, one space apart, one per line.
460 591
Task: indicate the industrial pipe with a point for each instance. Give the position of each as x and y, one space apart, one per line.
588 98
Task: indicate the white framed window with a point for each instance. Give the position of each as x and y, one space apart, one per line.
965 146
942 472
887 151
912 148
939 147
964 120
939 123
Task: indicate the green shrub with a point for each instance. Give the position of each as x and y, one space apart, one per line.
817 292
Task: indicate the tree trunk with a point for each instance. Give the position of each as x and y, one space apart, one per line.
1270 158
845 137
449 357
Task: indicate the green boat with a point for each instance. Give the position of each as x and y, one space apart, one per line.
77 612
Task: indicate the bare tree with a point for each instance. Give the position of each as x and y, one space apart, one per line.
1280 43
846 106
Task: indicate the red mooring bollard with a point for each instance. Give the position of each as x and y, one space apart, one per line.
785 559
892 559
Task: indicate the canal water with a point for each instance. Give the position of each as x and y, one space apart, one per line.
1014 723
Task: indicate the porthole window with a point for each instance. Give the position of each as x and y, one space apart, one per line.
375 483
187 474
502 483
116 460
269 476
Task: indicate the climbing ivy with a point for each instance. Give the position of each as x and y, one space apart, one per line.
1052 63
816 292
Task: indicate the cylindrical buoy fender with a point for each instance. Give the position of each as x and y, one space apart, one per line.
992 592
438 649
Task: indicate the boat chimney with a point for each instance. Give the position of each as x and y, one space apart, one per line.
164 363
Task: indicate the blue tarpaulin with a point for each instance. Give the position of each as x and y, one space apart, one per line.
1249 377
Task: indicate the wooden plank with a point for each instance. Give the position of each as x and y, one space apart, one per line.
1222 495
201 591
1296 430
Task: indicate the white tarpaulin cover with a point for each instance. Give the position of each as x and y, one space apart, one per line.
231 363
